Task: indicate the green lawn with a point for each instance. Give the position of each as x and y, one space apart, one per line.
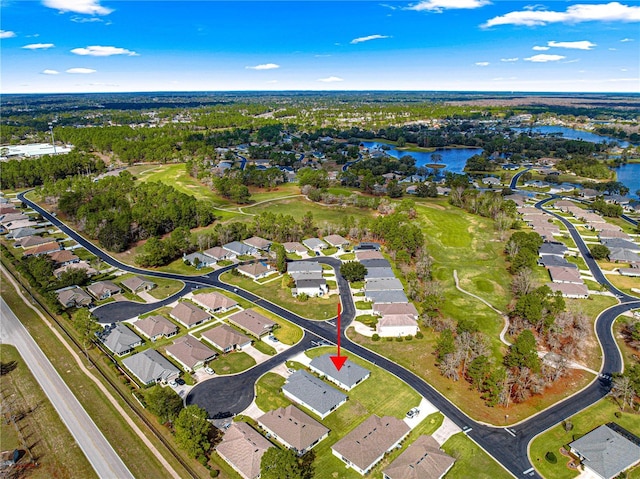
313 308
297 207
268 394
471 461
264 348
232 363
286 332
368 319
347 257
164 287
364 305
551 441
329 251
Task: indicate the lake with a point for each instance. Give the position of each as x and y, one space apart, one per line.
629 175
572 134
454 159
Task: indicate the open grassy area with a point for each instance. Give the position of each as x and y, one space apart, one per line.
232 363
50 442
628 353
362 305
264 348
297 207
313 308
268 394
471 461
624 283
286 332
552 440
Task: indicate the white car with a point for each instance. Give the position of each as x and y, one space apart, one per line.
208 370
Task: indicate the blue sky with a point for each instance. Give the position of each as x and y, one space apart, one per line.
52 46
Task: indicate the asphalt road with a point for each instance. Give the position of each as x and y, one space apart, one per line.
507 445
93 444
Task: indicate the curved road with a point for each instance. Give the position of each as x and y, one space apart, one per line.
507 446
93 444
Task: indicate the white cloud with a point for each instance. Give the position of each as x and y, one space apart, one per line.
624 40
38 46
606 12
482 64
264 66
543 58
87 7
7 34
540 49
100 51
509 60
368 38
81 70
78 19
581 45
50 72
439 5
330 79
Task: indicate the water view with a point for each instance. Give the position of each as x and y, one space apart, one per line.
453 159
572 134
629 175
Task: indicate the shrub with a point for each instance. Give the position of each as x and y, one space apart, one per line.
551 457
408 337
214 473
375 337
419 335
399 339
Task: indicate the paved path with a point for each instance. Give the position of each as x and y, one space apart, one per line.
98 451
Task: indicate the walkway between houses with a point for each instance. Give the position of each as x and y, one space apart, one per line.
502 315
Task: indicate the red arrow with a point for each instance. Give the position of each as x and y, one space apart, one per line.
338 361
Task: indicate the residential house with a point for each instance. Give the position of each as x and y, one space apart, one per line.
402 308
379 273
313 393
491 181
607 450
375 263
553 249
150 366
103 289
367 246
609 234
396 325
294 247
311 287
423 459
218 253
298 269
120 339
570 290
199 260
293 428
383 284
252 322
227 339
18 224
548 260
73 297
348 377
135 284
31 241
337 241
188 314
613 243
308 278
63 257
258 243
386 297
242 447
620 255
561 274
190 353
214 302
367 444
257 270
314 244
46 248
83 265
363 255
21 233
239 249
155 327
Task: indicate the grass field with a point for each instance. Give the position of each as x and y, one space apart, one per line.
164 287
471 461
232 363
624 283
268 395
264 348
48 439
551 441
297 207
313 308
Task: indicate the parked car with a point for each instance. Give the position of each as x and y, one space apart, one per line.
173 383
273 339
208 370
413 412
180 382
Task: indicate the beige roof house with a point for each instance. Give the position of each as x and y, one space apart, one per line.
368 254
367 444
243 447
396 308
218 253
73 296
421 460
336 240
214 302
226 339
256 270
43 249
31 241
103 289
258 243
252 322
79 265
138 283
294 247
156 326
570 290
189 314
395 325
293 428
562 274
63 257
190 352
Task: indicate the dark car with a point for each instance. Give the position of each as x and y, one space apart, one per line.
180 382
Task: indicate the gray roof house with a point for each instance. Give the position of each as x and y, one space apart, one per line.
570 290
226 339
349 376
156 326
312 287
313 393
555 249
367 444
621 243
375 263
242 447
386 297
239 249
607 450
421 460
314 244
138 283
199 260
190 352
73 296
188 314
252 322
293 428
120 339
550 260
379 273
383 284
304 267
623 255
150 366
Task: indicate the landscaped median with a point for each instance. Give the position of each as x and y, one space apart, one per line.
274 291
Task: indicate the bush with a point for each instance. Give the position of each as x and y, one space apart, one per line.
214 473
551 458
419 335
408 337
568 425
389 339
399 339
375 337
617 414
